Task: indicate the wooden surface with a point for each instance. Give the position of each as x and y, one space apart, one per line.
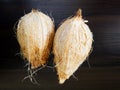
104 22
88 79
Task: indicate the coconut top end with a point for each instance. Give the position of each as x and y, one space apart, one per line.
34 10
79 13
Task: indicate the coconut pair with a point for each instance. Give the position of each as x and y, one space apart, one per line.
71 43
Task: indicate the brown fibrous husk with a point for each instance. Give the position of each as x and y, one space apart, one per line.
72 45
35 33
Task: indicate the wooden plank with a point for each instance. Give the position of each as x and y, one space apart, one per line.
88 79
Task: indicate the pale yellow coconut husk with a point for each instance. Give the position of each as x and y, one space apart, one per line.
72 45
35 33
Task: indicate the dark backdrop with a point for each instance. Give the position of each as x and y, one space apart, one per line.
104 22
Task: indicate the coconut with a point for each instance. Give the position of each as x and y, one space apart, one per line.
72 45
35 33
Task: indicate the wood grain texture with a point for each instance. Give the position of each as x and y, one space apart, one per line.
88 79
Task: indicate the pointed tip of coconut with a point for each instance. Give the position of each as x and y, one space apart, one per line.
61 80
34 10
79 13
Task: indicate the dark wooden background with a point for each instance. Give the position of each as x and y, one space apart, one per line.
104 22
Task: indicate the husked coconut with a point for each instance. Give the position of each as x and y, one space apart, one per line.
72 45
35 33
